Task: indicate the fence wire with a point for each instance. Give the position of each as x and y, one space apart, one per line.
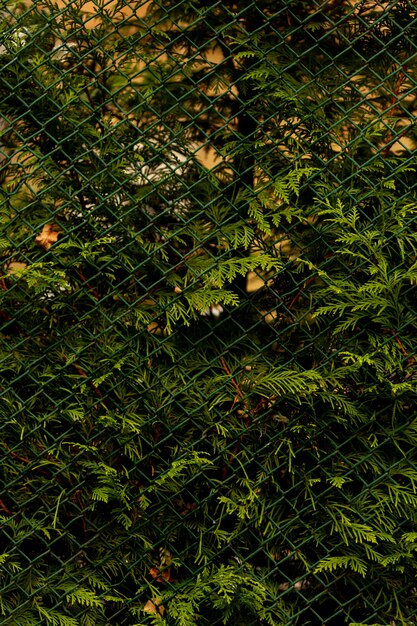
208 343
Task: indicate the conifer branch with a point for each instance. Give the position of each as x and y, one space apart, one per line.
391 106
4 508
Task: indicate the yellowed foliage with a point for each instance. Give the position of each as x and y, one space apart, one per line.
14 266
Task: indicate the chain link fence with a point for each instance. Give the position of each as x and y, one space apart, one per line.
208 309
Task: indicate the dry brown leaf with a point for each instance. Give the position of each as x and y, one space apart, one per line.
160 575
48 235
155 607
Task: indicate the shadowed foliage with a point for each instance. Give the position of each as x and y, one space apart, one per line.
208 307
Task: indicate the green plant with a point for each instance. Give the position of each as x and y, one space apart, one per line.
179 449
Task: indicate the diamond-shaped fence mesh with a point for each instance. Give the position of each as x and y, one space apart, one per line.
208 347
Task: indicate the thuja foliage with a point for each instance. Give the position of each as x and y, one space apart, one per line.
208 356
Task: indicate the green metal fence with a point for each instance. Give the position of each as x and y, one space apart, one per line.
208 347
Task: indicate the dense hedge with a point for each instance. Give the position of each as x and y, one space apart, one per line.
208 349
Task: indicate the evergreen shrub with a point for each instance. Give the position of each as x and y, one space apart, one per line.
208 349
